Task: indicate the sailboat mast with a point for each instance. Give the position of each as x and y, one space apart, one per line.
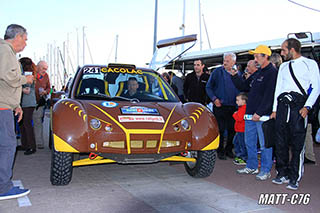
83 44
116 53
200 24
183 17
155 26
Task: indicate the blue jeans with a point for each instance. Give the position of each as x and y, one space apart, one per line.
240 146
8 144
252 130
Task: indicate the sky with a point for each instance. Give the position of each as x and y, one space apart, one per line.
228 22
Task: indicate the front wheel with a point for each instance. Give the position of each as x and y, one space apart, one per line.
61 168
204 165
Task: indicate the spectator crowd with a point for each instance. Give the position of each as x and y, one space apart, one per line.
241 100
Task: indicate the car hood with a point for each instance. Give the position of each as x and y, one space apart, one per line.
142 115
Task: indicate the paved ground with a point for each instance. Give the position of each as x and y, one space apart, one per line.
149 188
123 188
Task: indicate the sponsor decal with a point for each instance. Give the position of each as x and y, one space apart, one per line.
91 70
139 110
120 70
109 104
139 118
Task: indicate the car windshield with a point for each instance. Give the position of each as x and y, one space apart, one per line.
123 84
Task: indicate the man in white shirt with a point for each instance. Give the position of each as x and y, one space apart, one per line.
290 108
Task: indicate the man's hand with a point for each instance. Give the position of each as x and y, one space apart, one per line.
273 115
43 93
30 79
26 90
18 111
255 117
304 112
233 72
217 103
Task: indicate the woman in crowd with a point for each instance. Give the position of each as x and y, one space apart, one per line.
28 104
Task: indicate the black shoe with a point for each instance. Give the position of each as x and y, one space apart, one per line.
29 151
20 148
230 154
307 161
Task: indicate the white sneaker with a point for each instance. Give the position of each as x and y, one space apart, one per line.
263 176
246 170
280 180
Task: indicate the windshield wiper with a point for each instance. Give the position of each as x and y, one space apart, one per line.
104 96
133 100
95 95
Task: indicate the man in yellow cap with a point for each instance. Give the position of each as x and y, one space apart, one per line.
260 99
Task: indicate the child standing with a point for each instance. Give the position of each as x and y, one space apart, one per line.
238 140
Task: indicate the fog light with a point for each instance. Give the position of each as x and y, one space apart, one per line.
152 143
170 143
113 144
189 144
92 146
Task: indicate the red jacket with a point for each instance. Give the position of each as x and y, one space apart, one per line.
238 117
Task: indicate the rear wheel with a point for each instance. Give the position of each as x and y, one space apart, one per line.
204 165
61 168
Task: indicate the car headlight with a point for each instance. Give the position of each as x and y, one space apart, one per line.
185 125
95 124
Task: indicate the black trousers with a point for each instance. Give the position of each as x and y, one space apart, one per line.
225 121
26 128
290 130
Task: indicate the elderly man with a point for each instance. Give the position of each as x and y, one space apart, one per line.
290 108
251 69
244 83
260 99
11 82
42 88
222 93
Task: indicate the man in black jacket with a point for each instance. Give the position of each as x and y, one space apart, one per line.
194 86
244 83
260 99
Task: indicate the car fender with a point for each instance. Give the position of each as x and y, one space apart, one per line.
204 127
69 126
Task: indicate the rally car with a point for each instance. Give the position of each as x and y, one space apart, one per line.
123 114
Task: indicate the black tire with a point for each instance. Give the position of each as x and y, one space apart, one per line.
204 165
61 168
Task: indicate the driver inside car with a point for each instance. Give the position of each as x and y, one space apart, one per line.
132 91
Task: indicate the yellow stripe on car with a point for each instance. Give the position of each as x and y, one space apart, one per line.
128 132
213 145
88 161
196 115
193 118
200 112
62 146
